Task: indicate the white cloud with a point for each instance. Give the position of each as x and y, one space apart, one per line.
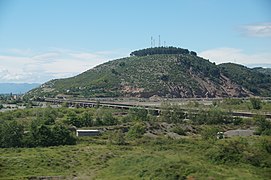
257 30
222 55
46 56
30 66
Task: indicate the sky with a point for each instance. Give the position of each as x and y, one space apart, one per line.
49 39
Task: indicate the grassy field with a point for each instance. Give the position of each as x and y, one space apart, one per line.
136 145
143 158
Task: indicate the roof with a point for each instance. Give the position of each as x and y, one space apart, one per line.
87 130
239 132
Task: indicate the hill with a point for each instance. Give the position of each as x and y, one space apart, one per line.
16 88
263 70
179 73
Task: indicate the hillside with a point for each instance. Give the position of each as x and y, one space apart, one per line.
173 74
263 70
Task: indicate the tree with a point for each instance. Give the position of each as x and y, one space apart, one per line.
108 119
73 119
11 134
193 53
87 119
62 136
105 117
45 135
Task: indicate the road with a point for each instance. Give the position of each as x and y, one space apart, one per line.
149 105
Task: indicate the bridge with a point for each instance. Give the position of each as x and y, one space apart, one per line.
124 105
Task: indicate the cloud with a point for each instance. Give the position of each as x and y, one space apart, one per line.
257 30
30 66
8 76
222 55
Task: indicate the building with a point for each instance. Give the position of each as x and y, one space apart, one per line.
239 132
84 132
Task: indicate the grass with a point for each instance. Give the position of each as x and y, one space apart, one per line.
142 159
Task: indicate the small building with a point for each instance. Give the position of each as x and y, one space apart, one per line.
239 132
84 132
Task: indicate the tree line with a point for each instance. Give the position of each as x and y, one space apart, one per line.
162 50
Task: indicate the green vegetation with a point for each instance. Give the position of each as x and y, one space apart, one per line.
255 81
134 144
145 159
162 50
165 72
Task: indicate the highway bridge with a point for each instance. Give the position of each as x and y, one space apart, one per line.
125 105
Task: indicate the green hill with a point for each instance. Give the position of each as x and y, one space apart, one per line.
256 80
263 70
164 72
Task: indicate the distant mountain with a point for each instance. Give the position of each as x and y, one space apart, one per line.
16 88
165 72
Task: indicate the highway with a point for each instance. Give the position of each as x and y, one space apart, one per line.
153 106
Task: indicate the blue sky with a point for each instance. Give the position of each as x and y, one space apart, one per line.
42 40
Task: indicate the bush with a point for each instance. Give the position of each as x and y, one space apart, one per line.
87 119
105 117
227 151
73 119
266 145
209 133
137 130
264 126
138 114
172 113
179 130
256 103
213 116
44 135
118 137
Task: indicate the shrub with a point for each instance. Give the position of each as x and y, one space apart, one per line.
256 103
172 113
264 126
209 133
118 137
137 130
227 151
266 145
179 130
139 114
